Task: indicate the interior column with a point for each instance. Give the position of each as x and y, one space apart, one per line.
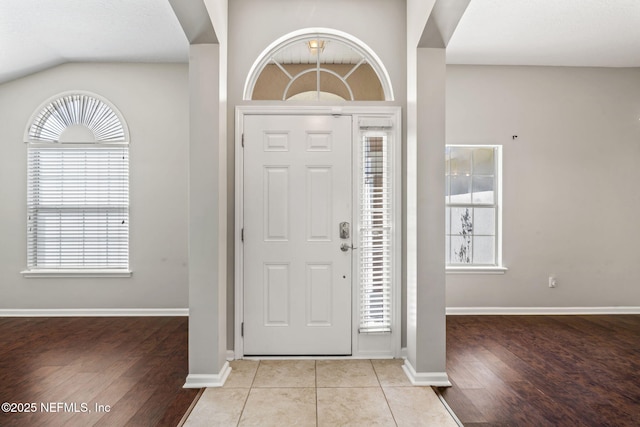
426 305
207 222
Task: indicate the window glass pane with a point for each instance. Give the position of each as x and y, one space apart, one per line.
483 250
484 221
483 161
483 189
461 247
461 221
460 189
460 160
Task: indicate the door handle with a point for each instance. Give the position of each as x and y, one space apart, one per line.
345 247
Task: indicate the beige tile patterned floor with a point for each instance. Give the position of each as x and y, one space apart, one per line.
320 393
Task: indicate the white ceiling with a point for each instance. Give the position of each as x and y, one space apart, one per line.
36 34
597 33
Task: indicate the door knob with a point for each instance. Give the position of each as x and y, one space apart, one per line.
344 247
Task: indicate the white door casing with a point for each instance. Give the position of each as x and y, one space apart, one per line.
297 189
366 121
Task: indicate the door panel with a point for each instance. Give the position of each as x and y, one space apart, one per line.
276 203
297 190
319 203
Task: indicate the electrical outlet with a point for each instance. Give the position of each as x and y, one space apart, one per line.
553 282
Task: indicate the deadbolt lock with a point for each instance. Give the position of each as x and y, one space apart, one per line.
344 230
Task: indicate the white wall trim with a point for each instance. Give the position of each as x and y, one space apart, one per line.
476 270
208 380
93 312
453 311
437 379
70 273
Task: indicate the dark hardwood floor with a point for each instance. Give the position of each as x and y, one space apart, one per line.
135 365
505 370
544 370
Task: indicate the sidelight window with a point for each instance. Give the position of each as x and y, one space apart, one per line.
377 232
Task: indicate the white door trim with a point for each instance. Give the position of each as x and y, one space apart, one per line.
279 109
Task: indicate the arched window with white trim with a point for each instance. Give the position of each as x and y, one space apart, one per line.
77 188
318 65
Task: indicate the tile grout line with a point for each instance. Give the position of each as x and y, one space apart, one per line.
255 374
383 393
315 371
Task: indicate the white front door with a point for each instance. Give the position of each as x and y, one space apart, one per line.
297 192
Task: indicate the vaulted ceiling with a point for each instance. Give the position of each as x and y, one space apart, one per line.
36 34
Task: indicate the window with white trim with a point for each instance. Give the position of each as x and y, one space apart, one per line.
473 206
77 187
315 65
377 232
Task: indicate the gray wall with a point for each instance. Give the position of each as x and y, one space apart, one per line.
570 180
571 198
154 101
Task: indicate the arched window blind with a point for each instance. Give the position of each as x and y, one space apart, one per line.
78 186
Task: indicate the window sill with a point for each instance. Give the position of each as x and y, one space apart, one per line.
476 270
77 273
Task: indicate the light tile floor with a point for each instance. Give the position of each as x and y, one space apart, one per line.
319 393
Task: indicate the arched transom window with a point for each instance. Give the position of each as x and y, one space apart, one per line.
316 65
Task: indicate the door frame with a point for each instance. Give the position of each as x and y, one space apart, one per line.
362 345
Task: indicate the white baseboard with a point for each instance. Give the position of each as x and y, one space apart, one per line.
208 380
437 379
540 310
94 312
231 355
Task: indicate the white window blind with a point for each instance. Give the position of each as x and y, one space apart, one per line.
375 246
78 207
